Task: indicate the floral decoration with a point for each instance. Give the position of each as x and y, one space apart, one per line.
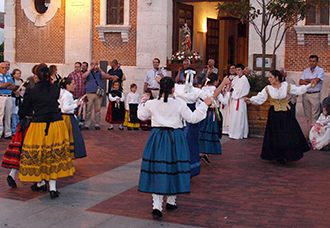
181 55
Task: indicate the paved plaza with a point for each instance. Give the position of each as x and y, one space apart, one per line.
238 189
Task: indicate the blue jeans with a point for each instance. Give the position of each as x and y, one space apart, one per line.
14 123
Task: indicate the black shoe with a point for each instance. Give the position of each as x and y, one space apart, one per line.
11 182
156 214
54 194
136 129
205 159
170 207
121 128
326 148
281 161
35 187
129 129
110 128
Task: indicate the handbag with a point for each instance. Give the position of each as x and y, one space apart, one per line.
100 92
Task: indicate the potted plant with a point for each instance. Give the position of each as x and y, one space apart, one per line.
257 114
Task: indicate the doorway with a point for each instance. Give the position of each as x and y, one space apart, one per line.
223 39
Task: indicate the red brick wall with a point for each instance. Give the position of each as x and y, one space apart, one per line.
296 56
45 44
114 47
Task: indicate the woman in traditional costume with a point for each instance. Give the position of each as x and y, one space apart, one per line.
190 95
165 166
45 152
11 158
283 141
319 135
211 127
68 105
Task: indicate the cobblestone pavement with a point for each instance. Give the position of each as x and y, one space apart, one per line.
238 189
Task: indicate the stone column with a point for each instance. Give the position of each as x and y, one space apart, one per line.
9 36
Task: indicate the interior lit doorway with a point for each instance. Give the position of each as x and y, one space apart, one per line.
223 39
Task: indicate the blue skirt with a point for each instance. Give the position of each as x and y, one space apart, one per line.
192 131
165 165
209 141
77 147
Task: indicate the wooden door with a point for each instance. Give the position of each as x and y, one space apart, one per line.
182 13
212 41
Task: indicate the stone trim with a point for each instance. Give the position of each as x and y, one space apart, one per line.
105 28
40 20
311 29
123 29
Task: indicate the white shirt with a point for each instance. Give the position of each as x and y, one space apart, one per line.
209 91
151 78
279 94
189 97
170 113
132 98
318 73
67 103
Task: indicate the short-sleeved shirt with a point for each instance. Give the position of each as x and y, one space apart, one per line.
318 73
119 73
151 78
80 84
4 79
91 86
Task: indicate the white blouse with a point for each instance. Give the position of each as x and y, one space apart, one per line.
189 97
279 94
67 103
170 113
132 98
122 98
209 91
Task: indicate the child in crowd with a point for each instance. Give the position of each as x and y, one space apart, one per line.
165 166
211 127
17 96
319 134
132 102
146 124
116 108
68 105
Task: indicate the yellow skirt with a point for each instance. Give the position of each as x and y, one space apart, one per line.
67 121
46 157
128 124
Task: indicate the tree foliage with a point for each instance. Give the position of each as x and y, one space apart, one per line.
277 16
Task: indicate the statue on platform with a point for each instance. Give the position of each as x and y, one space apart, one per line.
185 36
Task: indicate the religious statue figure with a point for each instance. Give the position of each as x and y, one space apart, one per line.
185 36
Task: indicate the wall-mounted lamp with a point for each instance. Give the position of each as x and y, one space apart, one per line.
149 2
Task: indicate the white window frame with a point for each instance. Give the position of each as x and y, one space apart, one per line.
40 20
107 28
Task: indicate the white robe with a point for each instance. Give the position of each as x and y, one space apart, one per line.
238 123
225 110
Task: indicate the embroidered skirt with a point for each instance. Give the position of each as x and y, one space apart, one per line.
11 158
115 113
209 141
46 156
165 164
283 137
77 144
